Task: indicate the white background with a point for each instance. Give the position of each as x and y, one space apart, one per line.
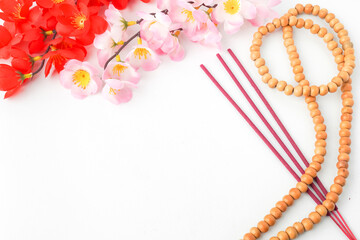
177 162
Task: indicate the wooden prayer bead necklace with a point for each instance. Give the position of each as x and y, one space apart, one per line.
345 59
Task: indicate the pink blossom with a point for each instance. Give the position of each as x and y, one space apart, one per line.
196 24
120 78
121 71
172 48
118 91
233 12
264 11
143 57
108 43
81 77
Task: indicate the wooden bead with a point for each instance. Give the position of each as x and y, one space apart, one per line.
289 42
321 135
263 226
344 76
314 91
316 166
343 33
318 119
257 42
298 91
287 29
345 140
273 82
303 187
348 102
249 236
318 158
292 21
274 238
323 90
266 77
332 87
320 151
300 23
294 62
299 227
255 55
288 200
290 49
259 62
342 164
295 193
333 22
299 77
307 223
343 172
291 231
315 217
263 70
283 235
284 21
323 12
330 205
308 23
337 80
344 39
289 89
281 205
315 112
300 8
315 29
293 55
329 17
321 210
344 133
345 125
347 110
256 232
270 27
339 59
316 10
258 35
308 8
306 179
293 11
310 99
328 37
344 149
311 171
337 51
338 27
312 106
332 45
281 85
322 32
288 35
276 22
263 30
320 143
254 48
276 212
340 180
270 220
336 188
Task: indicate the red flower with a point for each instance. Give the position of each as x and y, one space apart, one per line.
52 3
122 4
80 22
15 10
63 50
11 79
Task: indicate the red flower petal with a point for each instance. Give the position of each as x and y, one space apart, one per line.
11 92
98 24
9 78
120 4
5 37
45 3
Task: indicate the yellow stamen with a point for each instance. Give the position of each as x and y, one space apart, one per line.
210 10
113 91
189 15
131 23
57 1
120 43
118 59
141 52
26 76
177 33
119 69
232 6
139 40
52 48
81 78
78 21
17 11
48 33
37 58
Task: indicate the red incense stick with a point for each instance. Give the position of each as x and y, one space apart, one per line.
287 134
266 141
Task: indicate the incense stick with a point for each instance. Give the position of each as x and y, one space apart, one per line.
287 134
272 148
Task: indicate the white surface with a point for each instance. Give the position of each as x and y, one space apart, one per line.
177 162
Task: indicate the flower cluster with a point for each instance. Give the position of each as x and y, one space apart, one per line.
54 35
